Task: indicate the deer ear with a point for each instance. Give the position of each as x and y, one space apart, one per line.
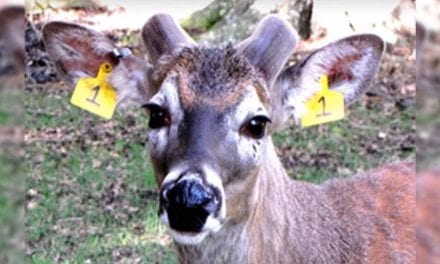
349 63
78 52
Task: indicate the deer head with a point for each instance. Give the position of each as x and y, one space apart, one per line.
212 110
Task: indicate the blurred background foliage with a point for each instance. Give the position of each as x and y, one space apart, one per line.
428 82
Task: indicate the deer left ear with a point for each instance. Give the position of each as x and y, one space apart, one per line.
349 63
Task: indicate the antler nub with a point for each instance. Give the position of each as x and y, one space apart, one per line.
270 46
162 35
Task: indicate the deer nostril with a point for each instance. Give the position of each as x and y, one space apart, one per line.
198 195
190 194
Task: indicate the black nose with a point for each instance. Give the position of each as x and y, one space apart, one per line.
188 204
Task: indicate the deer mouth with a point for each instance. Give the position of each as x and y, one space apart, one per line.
212 225
191 206
188 238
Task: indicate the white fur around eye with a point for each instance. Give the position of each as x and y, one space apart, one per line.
158 140
250 106
168 98
249 149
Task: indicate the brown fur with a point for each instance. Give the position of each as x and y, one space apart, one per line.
340 70
163 35
214 76
76 50
368 218
428 215
365 219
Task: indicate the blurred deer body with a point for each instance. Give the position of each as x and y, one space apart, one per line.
11 39
428 213
224 194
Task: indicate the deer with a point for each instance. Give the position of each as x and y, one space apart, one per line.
224 195
12 39
428 212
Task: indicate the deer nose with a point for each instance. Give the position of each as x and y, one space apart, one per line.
188 204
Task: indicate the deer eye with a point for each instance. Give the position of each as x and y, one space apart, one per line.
256 127
159 117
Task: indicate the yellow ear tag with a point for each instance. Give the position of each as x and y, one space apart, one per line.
95 94
325 106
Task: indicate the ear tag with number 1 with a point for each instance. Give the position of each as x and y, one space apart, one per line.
325 106
95 94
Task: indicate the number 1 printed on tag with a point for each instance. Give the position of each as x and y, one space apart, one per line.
93 100
325 106
95 94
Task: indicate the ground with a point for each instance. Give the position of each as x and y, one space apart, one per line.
90 191
11 171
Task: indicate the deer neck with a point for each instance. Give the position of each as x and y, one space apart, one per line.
235 241
286 216
280 217
268 224
229 245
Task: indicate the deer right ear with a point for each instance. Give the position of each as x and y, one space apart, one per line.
349 63
78 52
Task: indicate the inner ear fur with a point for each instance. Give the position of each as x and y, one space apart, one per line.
349 63
77 51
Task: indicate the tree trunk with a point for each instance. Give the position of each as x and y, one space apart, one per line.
233 20
299 14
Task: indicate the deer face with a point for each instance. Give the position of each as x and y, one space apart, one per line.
211 110
207 130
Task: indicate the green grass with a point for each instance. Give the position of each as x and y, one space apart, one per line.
91 193
11 209
364 139
11 174
11 106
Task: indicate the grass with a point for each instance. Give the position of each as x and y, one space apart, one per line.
11 106
11 210
11 174
364 139
91 194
